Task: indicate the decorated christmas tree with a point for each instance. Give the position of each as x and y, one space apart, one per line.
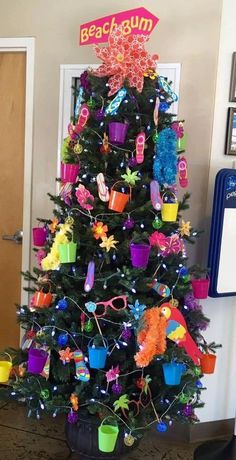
113 331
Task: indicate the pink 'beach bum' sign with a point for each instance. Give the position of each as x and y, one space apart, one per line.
136 21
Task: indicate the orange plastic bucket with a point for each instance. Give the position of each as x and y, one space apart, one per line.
208 362
42 299
118 200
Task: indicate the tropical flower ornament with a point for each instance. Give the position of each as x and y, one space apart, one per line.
125 58
108 243
99 230
131 177
185 228
137 309
84 197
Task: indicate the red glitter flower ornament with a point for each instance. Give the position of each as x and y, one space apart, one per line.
124 58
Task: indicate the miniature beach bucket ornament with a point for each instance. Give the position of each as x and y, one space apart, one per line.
118 200
67 252
39 236
200 288
5 367
117 132
139 254
69 172
42 299
208 362
97 355
173 373
36 360
107 436
169 210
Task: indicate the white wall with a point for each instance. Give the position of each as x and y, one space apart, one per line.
220 396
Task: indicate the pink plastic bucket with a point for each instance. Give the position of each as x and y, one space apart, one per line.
36 360
117 132
39 236
200 288
139 254
69 172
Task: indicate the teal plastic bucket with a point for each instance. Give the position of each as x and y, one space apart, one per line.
173 373
97 356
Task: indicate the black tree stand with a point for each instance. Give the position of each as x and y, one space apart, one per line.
217 450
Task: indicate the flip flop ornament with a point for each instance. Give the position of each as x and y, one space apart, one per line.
183 172
155 195
103 191
89 282
82 120
140 143
82 373
115 103
162 289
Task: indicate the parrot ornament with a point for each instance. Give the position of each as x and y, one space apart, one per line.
157 324
176 330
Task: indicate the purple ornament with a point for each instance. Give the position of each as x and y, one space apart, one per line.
188 411
72 417
126 334
191 302
99 114
129 223
132 162
84 82
116 388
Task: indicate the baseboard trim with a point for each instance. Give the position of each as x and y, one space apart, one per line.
211 430
183 433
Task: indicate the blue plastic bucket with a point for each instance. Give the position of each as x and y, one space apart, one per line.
97 356
173 373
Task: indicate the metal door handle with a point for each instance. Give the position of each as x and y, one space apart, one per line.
17 237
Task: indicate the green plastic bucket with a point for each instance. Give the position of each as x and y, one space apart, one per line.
107 437
67 252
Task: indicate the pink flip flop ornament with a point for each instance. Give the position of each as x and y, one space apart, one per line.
82 120
183 172
140 142
103 191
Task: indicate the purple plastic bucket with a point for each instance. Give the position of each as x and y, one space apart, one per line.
36 360
117 132
139 254
39 236
69 172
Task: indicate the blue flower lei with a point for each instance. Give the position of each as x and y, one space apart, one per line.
165 162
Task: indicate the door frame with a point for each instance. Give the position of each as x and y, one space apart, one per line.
27 45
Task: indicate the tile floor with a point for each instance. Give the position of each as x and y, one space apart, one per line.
22 438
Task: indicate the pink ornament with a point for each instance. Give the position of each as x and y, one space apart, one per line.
112 374
178 129
40 256
124 58
83 195
158 239
173 245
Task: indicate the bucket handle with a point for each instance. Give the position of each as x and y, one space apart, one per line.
170 193
91 340
41 290
106 418
122 182
5 353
